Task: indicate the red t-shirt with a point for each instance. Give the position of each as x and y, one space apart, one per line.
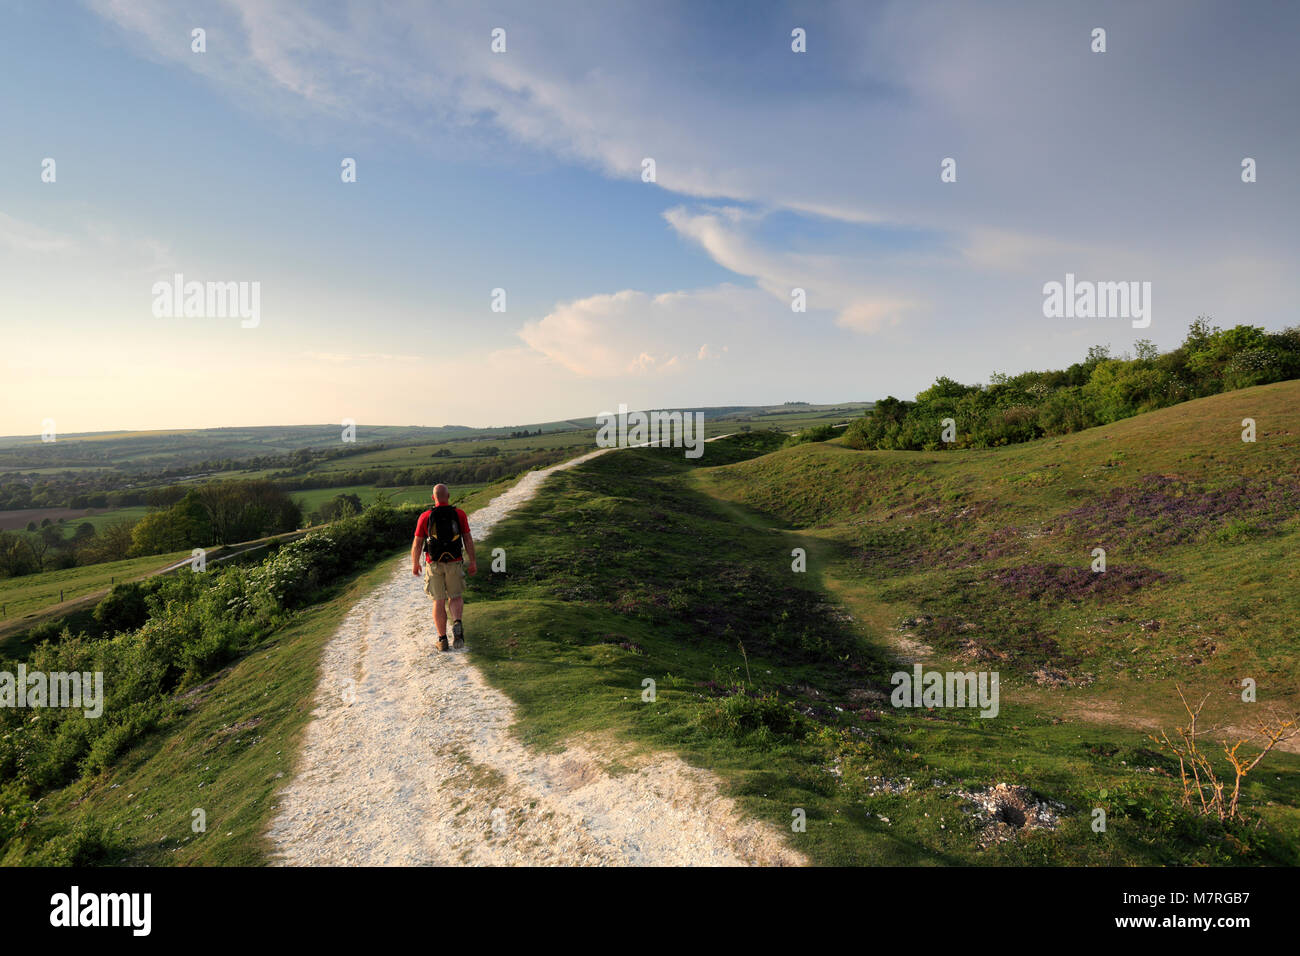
422 526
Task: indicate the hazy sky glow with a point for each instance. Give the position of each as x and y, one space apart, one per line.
522 170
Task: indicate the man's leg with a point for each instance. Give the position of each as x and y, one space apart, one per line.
455 578
435 586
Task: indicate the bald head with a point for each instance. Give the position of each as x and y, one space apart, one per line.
441 494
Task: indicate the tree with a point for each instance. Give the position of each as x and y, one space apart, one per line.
1145 350
124 607
184 525
945 387
1096 355
242 510
40 543
164 497
113 543
340 506
15 557
1199 333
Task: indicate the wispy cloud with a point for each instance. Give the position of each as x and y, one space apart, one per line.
25 237
633 333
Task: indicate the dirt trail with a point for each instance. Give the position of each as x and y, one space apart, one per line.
409 760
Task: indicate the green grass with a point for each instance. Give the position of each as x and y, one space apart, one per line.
637 566
417 494
32 592
28 595
132 513
460 452
227 755
641 564
996 546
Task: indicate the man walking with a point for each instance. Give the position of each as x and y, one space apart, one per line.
439 535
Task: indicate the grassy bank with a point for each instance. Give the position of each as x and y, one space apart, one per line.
640 566
222 744
35 591
226 755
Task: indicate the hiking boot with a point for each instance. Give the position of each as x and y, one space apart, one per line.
457 634
442 642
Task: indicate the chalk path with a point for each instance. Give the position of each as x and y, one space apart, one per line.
409 760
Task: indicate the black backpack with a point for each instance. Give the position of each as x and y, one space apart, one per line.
442 534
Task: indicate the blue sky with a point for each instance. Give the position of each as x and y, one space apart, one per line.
522 170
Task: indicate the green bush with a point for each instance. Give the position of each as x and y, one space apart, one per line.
124 607
816 433
1100 390
177 631
764 718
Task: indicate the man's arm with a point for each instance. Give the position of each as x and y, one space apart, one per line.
469 549
416 547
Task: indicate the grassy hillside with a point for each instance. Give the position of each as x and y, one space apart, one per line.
990 552
223 745
639 565
33 592
643 564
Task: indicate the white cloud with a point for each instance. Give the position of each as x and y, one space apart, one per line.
872 315
1011 91
1067 160
857 290
630 332
24 237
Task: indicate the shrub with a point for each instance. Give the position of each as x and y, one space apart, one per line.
171 633
124 608
816 433
1100 390
740 715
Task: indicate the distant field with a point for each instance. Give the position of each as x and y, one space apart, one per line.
415 494
186 448
133 460
35 591
800 417
17 520
452 452
52 471
109 516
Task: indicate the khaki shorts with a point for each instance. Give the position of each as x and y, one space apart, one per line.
444 579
